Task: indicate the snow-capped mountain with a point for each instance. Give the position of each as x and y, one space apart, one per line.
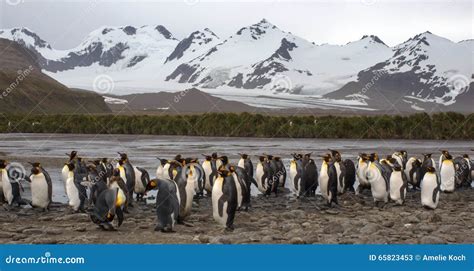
262 60
194 45
262 56
30 40
425 68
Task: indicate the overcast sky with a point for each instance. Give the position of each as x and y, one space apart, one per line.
64 24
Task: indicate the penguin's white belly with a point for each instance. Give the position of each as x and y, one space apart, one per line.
139 187
447 174
361 174
377 185
216 195
396 182
293 173
324 182
72 194
207 172
239 190
6 187
115 185
39 191
428 185
340 185
190 184
165 174
259 173
159 172
65 175
241 163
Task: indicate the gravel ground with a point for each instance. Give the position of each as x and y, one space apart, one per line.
281 219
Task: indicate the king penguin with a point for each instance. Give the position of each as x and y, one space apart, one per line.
379 184
41 187
340 170
430 188
224 199
328 180
210 173
296 173
167 203
75 192
109 204
398 184
361 172
447 172
10 186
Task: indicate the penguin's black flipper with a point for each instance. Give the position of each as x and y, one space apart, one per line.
50 184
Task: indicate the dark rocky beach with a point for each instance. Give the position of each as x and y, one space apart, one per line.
281 219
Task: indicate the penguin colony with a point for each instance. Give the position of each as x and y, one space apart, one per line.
105 189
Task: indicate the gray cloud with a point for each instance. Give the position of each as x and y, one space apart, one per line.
64 24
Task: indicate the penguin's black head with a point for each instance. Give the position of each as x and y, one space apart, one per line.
244 156
297 156
270 157
3 164
223 172
465 156
416 163
70 166
336 155
178 157
431 169
261 158
363 156
116 172
163 161
276 158
214 155
104 160
326 157
427 155
190 160
446 154
224 159
403 152
373 157
123 156
308 155
35 170
207 157
152 184
72 155
121 162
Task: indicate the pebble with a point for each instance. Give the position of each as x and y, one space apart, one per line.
388 224
333 228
